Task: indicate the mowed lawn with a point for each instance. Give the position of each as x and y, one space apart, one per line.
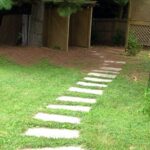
116 121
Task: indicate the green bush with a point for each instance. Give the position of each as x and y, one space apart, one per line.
134 46
118 38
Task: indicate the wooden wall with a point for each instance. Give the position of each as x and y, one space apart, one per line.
103 30
62 32
10 29
80 28
56 30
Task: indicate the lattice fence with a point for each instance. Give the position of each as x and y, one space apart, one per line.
142 32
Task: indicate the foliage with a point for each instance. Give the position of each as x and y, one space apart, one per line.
118 38
66 7
134 46
5 4
122 4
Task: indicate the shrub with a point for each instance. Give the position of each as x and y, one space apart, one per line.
134 46
118 38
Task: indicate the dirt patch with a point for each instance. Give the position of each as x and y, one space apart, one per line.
82 58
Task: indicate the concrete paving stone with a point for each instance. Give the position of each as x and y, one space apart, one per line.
111 68
57 148
97 80
87 91
109 61
57 118
101 56
70 107
106 71
90 84
117 62
76 99
52 133
94 51
101 75
120 62
96 54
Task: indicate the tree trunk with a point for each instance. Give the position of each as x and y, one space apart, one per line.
25 26
36 24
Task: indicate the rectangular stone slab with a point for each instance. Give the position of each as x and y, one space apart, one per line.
84 90
111 68
106 71
76 99
102 75
117 62
97 80
57 118
90 84
52 133
57 148
70 107
121 62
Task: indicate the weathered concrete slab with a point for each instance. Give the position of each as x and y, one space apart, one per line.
89 84
120 62
97 80
52 133
106 71
70 107
57 148
111 68
57 118
117 62
84 90
102 75
76 99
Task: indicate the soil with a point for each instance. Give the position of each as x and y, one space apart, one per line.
82 58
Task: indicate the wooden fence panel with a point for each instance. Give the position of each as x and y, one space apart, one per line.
103 30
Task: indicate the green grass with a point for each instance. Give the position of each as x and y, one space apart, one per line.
25 91
116 122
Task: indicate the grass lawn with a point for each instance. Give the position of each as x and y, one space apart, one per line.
116 122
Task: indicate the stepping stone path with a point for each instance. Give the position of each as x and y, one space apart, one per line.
52 133
101 75
71 108
57 118
111 68
97 80
59 148
93 85
106 71
76 99
88 91
89 84
117 62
